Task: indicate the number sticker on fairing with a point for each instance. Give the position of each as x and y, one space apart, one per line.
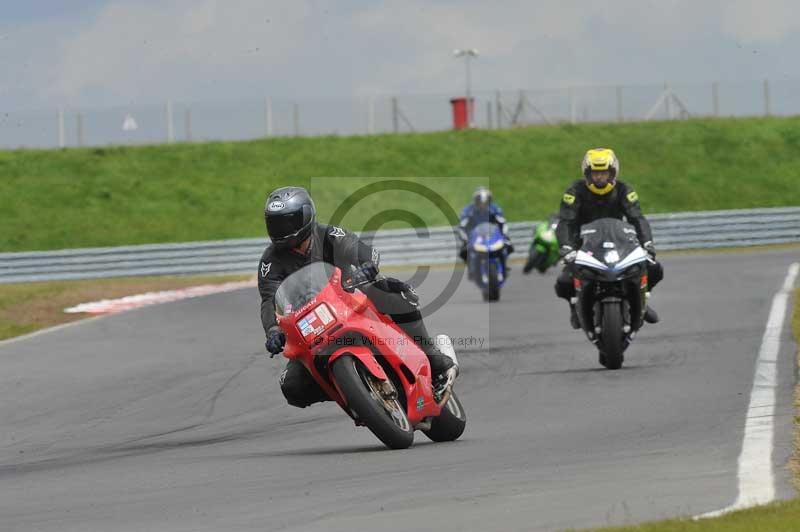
315 322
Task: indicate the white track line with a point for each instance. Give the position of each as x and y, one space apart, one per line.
756 480
114 306
105 308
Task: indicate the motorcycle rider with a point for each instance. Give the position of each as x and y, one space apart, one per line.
601 195
543 252
297 240
482 209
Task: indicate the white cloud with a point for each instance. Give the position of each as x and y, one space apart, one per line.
129 48
767 21
430 32
137 51
527 44
495 29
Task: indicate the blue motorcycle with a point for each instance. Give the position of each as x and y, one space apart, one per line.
486 253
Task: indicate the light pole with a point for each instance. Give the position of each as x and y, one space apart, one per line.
467 54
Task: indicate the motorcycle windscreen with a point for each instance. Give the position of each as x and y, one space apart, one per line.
608 235
485 230
302 286
486 236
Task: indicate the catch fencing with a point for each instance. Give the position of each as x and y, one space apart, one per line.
183 121
424 246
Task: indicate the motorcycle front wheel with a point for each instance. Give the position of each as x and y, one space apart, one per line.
611 346
492 292
384 416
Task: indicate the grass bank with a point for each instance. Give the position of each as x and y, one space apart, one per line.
125 195
777 517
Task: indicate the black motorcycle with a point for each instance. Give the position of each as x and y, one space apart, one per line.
610 278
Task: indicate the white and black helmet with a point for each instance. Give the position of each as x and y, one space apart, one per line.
482 197
290 215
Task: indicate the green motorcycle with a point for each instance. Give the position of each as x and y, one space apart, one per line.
543 252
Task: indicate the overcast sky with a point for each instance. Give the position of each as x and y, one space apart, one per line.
110 52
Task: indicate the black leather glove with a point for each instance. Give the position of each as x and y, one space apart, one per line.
568 254
367 272
509 245
462 251
396 286
650 249
275 341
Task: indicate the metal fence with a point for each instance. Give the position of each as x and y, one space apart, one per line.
398 247
270 117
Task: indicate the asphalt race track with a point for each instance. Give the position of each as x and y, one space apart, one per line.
170 418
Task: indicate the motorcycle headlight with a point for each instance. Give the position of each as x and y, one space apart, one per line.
611 257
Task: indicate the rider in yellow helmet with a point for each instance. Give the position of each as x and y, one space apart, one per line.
600 167
600 195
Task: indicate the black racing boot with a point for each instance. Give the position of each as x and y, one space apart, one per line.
528 266
573 317
650 315
440 362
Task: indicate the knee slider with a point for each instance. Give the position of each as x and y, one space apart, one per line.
564 290
294 390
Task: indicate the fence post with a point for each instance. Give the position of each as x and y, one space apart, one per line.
767 106
268 115
371 116
498 109
296 119
62 140
667 107
170 125
619 104
573 110
79 127
395 126
187 123
715 97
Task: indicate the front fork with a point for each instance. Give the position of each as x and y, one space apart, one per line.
590 309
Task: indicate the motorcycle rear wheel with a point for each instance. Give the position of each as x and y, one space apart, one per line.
386 418
450 424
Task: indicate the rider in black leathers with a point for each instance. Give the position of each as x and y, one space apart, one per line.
601 195
297 240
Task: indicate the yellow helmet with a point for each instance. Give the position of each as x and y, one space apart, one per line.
600 159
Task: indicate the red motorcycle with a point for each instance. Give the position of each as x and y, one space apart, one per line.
364 361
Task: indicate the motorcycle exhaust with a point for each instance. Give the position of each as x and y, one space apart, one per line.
448 387
423 425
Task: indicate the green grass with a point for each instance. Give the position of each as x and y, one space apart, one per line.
777 517
108 196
